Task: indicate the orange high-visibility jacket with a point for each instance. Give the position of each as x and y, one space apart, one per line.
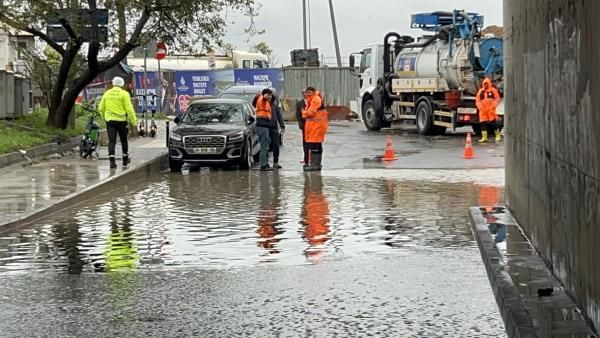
263 108
317 120
487 100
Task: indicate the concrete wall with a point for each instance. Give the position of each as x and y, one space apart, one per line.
553 136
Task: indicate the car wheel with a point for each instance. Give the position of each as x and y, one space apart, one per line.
175 165
247 160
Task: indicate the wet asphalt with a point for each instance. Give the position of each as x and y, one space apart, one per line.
361 249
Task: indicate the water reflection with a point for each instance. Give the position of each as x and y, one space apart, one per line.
121 254
489 199
268 214
222 219
315 216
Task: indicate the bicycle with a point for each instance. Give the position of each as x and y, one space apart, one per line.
89 142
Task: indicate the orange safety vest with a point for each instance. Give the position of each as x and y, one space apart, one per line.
317 120
263 108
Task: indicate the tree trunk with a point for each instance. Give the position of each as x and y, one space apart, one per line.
70 96
56 113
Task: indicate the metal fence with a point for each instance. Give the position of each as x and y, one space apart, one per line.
338 85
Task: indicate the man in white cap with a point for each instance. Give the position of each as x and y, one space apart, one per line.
117 110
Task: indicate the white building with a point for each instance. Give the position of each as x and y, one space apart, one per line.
14 85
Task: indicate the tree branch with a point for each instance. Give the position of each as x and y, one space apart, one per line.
68 28
129 46
55 45
94 47
35 32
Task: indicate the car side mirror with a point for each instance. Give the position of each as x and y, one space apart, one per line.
352 61
250 119
177 119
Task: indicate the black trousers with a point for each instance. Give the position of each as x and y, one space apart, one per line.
274 134
114 128
314 148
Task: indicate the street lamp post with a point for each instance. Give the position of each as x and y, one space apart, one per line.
304 24
335 36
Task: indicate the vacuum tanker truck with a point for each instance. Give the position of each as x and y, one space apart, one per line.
430 81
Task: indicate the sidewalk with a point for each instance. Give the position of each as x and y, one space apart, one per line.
27 190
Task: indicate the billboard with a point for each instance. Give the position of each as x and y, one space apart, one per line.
272 77
202 83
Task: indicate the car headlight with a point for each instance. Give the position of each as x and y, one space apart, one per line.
175 137
236 137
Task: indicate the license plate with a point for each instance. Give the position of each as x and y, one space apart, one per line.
204 150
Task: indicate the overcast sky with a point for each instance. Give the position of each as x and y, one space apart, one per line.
359 22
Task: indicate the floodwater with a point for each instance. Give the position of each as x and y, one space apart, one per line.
389 256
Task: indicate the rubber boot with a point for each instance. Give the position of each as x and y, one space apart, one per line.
315 163
484 136
113 163
126 160
498 135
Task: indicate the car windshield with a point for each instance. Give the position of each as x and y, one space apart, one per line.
206 113
248 97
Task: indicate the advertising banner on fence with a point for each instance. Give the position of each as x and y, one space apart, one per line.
260 77
190 84
163 88
151 85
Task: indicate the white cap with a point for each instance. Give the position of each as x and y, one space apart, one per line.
118 81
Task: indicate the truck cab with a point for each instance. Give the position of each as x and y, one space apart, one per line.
369 70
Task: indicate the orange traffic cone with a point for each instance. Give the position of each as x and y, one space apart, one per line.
468 154
389 154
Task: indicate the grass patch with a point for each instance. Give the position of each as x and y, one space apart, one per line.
13 138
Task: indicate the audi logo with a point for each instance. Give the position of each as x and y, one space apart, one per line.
204 139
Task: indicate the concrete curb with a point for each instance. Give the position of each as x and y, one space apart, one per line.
517 276
516 320
141 172
39 151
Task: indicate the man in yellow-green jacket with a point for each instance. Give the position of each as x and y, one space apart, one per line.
116 109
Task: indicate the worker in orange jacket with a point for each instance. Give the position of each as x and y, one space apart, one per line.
264 115
315 127
487 100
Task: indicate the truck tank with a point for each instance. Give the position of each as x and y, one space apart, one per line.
459 71
442 66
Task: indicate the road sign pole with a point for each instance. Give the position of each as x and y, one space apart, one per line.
145 90
160 86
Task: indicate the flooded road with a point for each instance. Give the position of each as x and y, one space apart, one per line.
227 252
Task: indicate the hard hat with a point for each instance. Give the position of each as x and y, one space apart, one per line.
118 81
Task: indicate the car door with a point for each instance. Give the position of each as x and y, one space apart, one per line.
249 111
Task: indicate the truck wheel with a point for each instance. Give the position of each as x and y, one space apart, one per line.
175 165
424 118
371 119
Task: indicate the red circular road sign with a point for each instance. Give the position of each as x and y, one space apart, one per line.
161 50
